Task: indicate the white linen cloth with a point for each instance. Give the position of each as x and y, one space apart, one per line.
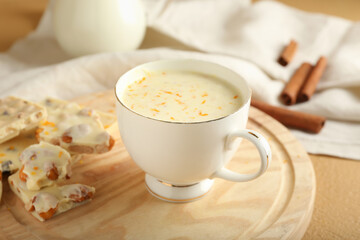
247 38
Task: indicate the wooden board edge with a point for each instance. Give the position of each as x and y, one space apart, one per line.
301 226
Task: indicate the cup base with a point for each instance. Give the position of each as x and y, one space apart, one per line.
177 193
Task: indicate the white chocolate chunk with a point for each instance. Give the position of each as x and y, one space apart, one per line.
18 115
51 201
11 150
107 119
43 202
78 130
43 165
77 192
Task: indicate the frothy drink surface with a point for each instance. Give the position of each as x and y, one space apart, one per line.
181 97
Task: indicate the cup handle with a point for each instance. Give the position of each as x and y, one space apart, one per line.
262 146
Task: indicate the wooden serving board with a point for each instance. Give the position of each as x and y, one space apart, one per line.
277 205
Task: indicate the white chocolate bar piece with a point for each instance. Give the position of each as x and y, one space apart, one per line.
11 150
107 119
51 201
18 115
78 130
43 165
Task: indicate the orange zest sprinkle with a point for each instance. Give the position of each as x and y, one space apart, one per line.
205 95
178 101
219 107
55 129
2 154
172 118
168 92
35 168
46 133
131 90
203 102
203 114
154 109
60 154
47 123
145 94
157 95
163 73
106 126
231 103
111 111
178 95
236 96
11 148
33 173
186 107
32 158
142 80
132 106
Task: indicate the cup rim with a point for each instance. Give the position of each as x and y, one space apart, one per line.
246 101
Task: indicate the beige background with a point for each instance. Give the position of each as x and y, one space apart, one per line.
337 205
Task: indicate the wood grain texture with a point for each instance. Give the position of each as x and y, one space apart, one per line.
337 203
277 205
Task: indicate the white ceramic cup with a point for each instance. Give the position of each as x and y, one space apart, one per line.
182 159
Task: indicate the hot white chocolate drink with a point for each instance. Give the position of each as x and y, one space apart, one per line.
178 96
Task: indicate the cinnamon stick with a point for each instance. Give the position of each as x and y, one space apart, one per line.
292 88
304 121
309 86
288 53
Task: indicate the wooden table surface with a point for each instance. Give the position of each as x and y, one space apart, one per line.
337 204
